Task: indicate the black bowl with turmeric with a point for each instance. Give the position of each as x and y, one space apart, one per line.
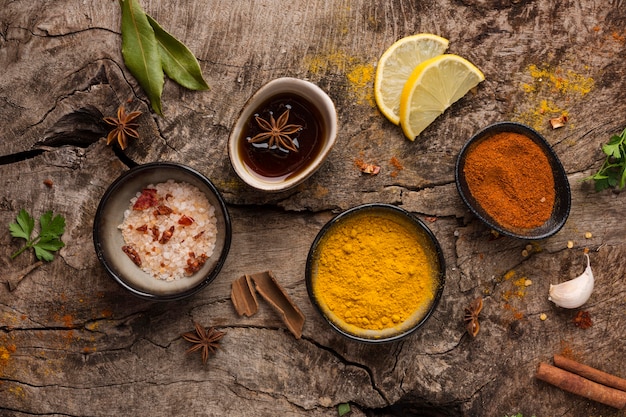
509 176
375 273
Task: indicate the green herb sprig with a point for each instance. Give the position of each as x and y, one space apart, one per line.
612 173
47 241
149 51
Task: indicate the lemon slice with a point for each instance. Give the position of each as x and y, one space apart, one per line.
432 87
395 66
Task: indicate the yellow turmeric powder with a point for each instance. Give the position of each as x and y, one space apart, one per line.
375 275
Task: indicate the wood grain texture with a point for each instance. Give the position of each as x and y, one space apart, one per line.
73 343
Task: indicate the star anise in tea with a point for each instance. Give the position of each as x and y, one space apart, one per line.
206 340
124 127
276 132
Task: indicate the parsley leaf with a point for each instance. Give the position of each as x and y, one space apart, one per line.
24 227
47 241
612 173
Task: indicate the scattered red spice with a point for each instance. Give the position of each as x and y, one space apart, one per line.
68 320
618 37
365 167
583 320
569 352
517 315
397 165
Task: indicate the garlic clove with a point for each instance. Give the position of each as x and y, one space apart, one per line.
575 292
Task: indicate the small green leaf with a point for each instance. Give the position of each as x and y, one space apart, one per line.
178 61
612 173
601 184
24 226
51 226
50 243
343 409
612 150
141 53
43 254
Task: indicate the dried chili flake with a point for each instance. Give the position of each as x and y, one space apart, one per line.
155 233
366 168
185 220
195 263
166 236
557 122
162 210
147 199
132 254
583 320
143 228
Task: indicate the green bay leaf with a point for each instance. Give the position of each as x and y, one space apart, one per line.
179 63
141 52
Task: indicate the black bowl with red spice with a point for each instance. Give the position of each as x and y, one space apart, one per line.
509 176
162 231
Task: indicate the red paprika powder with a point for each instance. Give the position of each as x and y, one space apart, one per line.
510 176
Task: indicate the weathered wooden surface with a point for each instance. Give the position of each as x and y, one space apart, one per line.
73 343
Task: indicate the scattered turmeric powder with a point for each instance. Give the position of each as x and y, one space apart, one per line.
375 274
359 73
5 355
548 87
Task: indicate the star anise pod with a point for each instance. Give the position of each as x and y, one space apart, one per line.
277 132
203 339
124 127
471 316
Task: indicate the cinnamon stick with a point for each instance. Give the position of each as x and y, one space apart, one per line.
578 385
243 296
276 296
590 373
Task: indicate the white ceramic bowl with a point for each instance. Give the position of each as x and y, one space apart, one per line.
281 87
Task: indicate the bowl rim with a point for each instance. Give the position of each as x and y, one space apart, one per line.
110 191
441 275
562 206
276 86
